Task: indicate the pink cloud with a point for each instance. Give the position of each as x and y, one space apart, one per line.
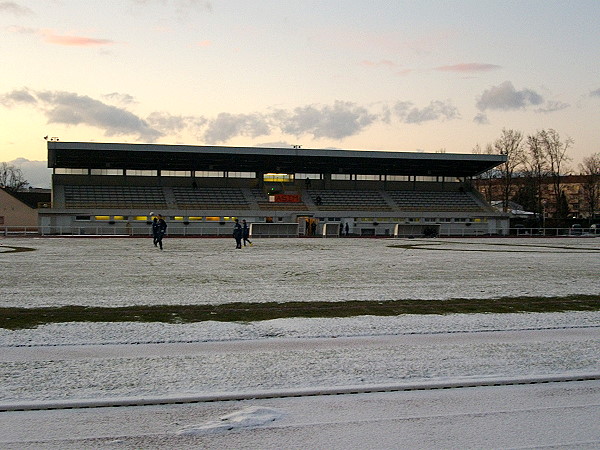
468 67
76 41
381 63
203 44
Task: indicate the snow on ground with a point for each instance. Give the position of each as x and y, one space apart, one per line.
104 360
114 371
252 416
131 271
117 271
556 415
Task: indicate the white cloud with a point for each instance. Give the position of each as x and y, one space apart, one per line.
15 9
341 120
506 97
277 144
116 97
17 96
172 125
36 173
227 126
552 106
337 121
436 110
468 68
481 119
72 109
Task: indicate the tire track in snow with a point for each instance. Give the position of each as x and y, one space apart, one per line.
261 338
309 392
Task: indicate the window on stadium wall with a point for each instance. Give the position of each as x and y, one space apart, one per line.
310 176
141 173
106 172
176 173
278 177
62 171
398 178
208 174
241 175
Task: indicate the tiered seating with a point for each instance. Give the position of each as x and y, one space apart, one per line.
210 198
349 200
114 197
439 201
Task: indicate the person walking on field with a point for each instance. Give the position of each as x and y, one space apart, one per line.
155 229
245 232
162 230
238 233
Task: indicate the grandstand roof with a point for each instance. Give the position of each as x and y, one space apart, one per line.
31 197
96 155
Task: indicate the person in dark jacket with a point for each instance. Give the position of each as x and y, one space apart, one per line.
162 230
245 232
155 231
238 234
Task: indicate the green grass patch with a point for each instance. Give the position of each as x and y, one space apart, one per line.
15 249
14 318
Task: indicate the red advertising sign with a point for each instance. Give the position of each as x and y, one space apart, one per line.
286 198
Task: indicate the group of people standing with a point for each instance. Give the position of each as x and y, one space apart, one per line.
241 233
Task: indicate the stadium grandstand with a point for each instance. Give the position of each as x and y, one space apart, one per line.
116 189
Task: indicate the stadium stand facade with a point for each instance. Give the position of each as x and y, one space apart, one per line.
115 189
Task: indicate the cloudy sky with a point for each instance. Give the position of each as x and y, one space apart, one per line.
399 75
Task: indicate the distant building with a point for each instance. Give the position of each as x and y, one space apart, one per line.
19 209
573 187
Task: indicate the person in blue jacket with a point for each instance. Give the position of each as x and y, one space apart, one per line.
238 233
155 231
161 231
245 232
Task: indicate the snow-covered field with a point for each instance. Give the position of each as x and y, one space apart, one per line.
117 271
75 361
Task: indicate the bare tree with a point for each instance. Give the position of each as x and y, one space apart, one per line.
486 178
11 177
535 169
556 154
510 143
590 167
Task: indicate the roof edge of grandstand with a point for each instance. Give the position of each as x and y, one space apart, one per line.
265 159
275 151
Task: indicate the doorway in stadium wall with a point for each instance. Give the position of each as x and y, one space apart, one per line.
307 225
